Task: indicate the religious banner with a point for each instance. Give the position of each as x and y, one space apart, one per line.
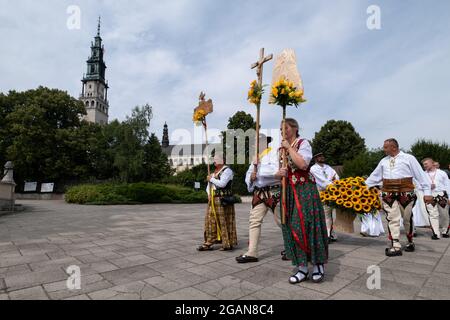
204 108
287 90
285 67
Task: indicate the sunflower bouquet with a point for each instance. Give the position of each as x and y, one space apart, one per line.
199 116
351 195
255 93
284 93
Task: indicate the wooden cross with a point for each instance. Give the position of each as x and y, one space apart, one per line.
259 72
259 65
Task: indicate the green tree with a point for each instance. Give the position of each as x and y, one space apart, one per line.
439 152
363 164
239 121
339 142
33 132
156 163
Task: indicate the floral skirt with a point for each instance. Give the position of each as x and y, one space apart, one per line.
305 232
220 225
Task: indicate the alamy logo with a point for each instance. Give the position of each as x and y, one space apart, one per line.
374 19
74 19
74 280
374 280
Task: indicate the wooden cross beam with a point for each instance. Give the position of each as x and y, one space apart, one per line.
259 65
259 72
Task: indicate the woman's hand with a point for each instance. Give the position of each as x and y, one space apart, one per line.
283 172
286 145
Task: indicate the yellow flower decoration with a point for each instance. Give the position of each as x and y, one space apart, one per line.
358 207
285 94
348 204
255 93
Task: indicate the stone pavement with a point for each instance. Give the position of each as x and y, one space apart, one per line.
148 252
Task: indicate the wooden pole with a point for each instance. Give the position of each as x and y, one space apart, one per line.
207 146
258 119
259 71
284 179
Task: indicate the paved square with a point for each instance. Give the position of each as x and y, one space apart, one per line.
149 252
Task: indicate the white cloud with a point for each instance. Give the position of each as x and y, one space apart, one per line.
165 53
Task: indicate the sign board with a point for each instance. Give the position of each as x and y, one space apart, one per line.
47 187
30 187
197 185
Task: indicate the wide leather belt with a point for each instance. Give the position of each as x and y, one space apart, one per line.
398 185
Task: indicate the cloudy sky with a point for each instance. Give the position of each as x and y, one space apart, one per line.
392 82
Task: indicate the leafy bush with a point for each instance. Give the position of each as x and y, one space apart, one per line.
135 193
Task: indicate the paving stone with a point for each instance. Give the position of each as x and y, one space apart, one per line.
346 294
131 261
295 292
22 260
134 252
228 288
138 290
80 297
14 270
186 294
388 289
397 264
34 278
125 275
34 293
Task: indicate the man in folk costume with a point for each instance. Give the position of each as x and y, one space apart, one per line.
325 175
220 221
265 186
438 209
395 173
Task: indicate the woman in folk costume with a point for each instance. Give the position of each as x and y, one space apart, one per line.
305 231
220 221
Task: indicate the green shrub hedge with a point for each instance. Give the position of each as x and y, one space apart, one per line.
135 193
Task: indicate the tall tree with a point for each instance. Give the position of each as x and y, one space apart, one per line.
156 163
33 132
238 124
339 141
440 152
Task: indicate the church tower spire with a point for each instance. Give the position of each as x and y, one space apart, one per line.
165 139
95 87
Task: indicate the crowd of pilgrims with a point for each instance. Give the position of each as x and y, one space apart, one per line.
412 196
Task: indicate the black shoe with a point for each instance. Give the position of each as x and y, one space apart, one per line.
434 237
391 252
205 247
332 239
445 235
320 274
284 256
246 259
410 247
